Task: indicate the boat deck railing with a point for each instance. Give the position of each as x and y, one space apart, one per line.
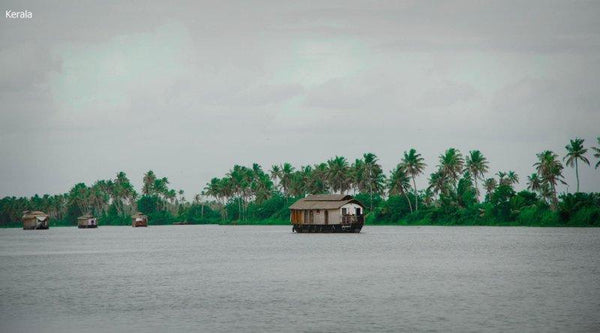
349 219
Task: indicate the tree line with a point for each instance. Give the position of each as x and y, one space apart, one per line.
459 191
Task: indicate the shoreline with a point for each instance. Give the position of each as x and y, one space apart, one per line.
400 224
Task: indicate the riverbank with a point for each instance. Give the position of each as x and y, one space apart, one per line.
369 224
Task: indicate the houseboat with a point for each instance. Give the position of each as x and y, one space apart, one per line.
35 220
87 221
139 220
327 213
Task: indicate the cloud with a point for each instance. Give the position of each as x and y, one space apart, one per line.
104 76
345 94
445 94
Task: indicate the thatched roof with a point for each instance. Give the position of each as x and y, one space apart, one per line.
86 217
138 214
327 197
33 214
324 201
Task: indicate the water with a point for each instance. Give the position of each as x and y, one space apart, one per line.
254 278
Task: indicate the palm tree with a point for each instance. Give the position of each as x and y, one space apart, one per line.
276 175
438 183
261 185
428 197
534 183
149 179
122 192
597 153
298 186
477 165
399 183
99 197
414 165
240 180
160 188
373 176
357 176
512 178
318 179
285 180
576 152
225 190
171 196
490 185
198 200
212 189
304 180
216 189
550 169
507 178
181 202
78 196
312 179
57 204
451 165
502 179
337 174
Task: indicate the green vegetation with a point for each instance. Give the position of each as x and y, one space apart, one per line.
249 195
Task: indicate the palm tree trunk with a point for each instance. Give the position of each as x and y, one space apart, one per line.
409 203
245 207
577 174
371 188
416 196
554 197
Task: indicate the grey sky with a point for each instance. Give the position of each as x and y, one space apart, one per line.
89 88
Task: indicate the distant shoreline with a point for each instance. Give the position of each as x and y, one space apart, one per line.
382 224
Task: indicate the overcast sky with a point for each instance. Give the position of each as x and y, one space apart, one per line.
89 88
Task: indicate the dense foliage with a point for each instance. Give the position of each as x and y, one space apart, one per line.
458 193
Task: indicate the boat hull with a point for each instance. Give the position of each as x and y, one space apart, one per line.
42 227
327 228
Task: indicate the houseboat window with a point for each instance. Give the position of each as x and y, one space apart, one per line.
343 211
357 211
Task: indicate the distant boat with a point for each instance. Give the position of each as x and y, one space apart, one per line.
327 213
33 220
87 221
139 220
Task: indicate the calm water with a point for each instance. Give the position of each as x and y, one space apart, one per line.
251 278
